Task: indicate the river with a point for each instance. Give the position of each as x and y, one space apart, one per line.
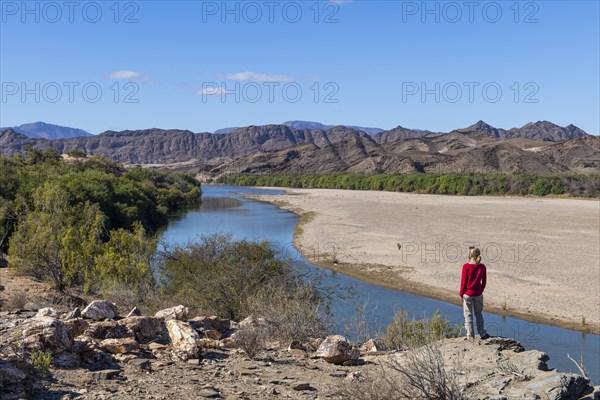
225 209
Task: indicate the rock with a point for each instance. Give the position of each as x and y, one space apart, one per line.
336 349
354 376
100 310
108 330
212 334
371 346
76 313
104 374
209 393
47 312
135 312
145 329
76 326
314 343
140 363
210 343
250 321
183 338
18 380
179 313
529 362
119 346
301 386
46 334
203 324
559 386
156 346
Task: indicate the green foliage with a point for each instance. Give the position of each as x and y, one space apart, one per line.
77 153
125 261
451 184
41 362
83 221
405 333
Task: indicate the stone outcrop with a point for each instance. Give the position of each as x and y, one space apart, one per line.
337 349
99 310
179 313
45 334
184 338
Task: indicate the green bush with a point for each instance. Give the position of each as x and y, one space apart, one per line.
41 362
404 333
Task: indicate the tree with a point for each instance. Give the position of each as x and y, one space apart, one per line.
36 245
126 262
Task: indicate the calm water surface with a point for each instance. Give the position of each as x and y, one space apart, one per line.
224 209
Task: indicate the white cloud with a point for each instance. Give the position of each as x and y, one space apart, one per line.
257 77
211 91
123 75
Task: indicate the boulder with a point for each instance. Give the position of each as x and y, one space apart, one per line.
145 329
45 334
119 346
184 338
100 310
336 349
179 313
47 312
371 346
213 323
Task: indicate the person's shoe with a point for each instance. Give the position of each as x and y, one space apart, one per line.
486 336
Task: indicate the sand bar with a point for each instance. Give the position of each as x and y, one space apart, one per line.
543 255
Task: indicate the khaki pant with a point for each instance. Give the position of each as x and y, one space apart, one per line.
473 305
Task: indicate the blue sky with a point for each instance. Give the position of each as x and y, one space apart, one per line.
203 65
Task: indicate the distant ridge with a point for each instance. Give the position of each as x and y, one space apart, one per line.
43 130
317 125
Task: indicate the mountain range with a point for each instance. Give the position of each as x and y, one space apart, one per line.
42 130
536 147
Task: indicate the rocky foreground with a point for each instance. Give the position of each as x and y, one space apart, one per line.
97 354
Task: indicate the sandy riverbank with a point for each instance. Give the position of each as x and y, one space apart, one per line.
542 254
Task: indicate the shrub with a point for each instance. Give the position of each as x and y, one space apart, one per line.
233 279
404 333
41 362
251 340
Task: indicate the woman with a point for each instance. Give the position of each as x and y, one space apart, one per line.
472 285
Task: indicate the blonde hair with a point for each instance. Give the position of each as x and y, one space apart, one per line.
475 253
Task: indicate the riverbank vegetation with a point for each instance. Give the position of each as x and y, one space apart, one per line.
86 221
450 184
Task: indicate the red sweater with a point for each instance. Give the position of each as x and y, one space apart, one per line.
473 280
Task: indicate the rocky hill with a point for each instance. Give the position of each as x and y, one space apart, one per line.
537 147
540 130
